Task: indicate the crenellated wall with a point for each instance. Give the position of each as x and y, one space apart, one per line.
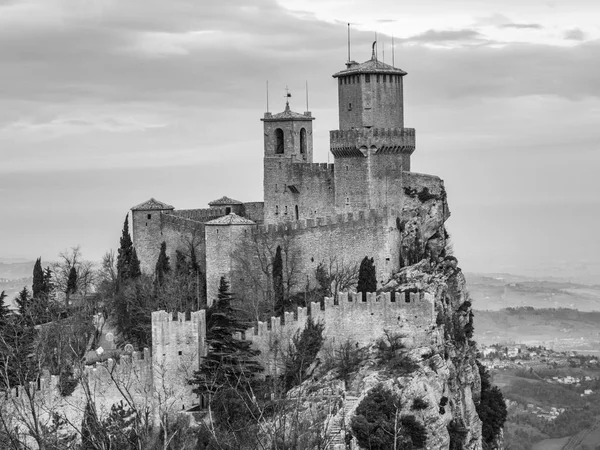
355 318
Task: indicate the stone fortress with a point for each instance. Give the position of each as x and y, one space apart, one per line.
368 203
347 210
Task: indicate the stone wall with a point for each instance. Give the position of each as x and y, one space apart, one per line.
355 318
289 185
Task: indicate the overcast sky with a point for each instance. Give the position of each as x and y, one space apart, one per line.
106 103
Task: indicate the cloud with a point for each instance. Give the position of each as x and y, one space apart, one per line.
445 36
574 35
522 26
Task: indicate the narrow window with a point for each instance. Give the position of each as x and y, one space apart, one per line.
349 106
279 141
346 168
302 140
367 78
276 210
297 213
378 78
149 216
275 188
285 210
347 201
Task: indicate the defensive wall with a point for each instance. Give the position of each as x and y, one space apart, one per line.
355 318
343 239
381 138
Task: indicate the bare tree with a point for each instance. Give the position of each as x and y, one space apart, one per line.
85 272
341 275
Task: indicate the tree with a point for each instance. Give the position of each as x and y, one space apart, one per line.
162 265
38 288
128 264
5 311
278 282
24 302
61 272
72 282
302 353
367 276
377 424
230 360
491 407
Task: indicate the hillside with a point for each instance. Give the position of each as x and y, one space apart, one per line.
559 329
499 291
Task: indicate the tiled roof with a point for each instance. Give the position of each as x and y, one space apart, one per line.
231 219
225 201
370 66
287 114
152 205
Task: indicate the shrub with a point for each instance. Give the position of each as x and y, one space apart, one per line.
424 195
458 433
347 360
377 425
390 351
419 404
302 353
66 381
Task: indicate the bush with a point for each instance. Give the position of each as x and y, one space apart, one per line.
302 353
347 360
419 404
390 351
66 381
376 424
458 433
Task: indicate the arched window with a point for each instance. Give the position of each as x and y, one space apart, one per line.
303 141
279 141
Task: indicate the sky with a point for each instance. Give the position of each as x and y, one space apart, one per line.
106 103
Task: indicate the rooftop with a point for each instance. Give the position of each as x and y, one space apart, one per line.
371 66
224 201
231 219
287 114
152 205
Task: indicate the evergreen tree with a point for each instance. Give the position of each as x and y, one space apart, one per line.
230 361
162 265
302 353
38 279
491 407
128 264
4 309
181 265
48 285
367 276
71 282
24 302
279 304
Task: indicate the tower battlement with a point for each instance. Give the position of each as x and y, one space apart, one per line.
346 143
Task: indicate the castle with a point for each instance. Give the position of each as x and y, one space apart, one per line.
316 212
368 203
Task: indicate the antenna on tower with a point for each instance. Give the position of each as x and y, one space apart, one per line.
306 88
383 52
267 95
375 48
348 41
393 52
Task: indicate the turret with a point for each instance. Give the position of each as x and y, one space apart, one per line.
289 135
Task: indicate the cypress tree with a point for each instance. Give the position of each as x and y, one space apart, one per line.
367 276
181 266
128 265
38 279
230 360
278 282
48 286
162 265
72 282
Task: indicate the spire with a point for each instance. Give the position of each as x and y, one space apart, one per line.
373 54
287 98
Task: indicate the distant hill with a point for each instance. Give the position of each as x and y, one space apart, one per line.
559 329
16 270
497 291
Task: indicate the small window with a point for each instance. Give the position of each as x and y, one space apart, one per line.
347 201
349 106
285 213
303 140
297 213
384 77
180 353
149 216
346 168
378 78
279 141
276 210
367 78
227 210
275 188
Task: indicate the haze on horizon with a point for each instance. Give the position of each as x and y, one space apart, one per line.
105 103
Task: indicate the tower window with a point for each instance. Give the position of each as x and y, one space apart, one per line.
367 78
149 216
297 213
378 78
347 201
384 77
303 140
276 210
285 210
349 106
227 210
279 141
